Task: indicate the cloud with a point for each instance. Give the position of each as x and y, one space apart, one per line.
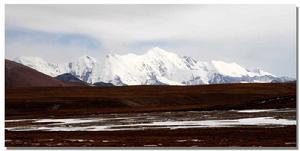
252 35
55 47
52 38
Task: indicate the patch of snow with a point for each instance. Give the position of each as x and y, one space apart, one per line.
40 65
158 124
65 121
255 111
229 69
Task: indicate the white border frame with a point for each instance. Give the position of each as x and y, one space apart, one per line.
2 44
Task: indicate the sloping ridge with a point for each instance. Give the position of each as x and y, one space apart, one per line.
18 75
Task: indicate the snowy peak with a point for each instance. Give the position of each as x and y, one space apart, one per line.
229 69
161 53
40 65
29 59
157 50
82 67
235 70
156 66
87 60
84 62
260 72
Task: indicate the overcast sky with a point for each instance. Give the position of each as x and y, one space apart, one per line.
253 36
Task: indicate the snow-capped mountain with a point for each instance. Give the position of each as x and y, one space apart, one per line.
156 67
41 65
81 68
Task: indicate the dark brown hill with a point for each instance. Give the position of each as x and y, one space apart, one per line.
20 76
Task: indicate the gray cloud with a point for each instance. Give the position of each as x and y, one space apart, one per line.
251 35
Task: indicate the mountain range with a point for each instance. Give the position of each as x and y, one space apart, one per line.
155 67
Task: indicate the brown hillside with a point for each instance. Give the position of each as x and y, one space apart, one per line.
18 75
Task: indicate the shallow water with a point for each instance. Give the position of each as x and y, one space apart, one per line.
170 120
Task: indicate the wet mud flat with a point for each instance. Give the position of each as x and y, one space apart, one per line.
194 137
233 128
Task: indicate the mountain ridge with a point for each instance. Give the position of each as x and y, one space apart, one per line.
156 66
